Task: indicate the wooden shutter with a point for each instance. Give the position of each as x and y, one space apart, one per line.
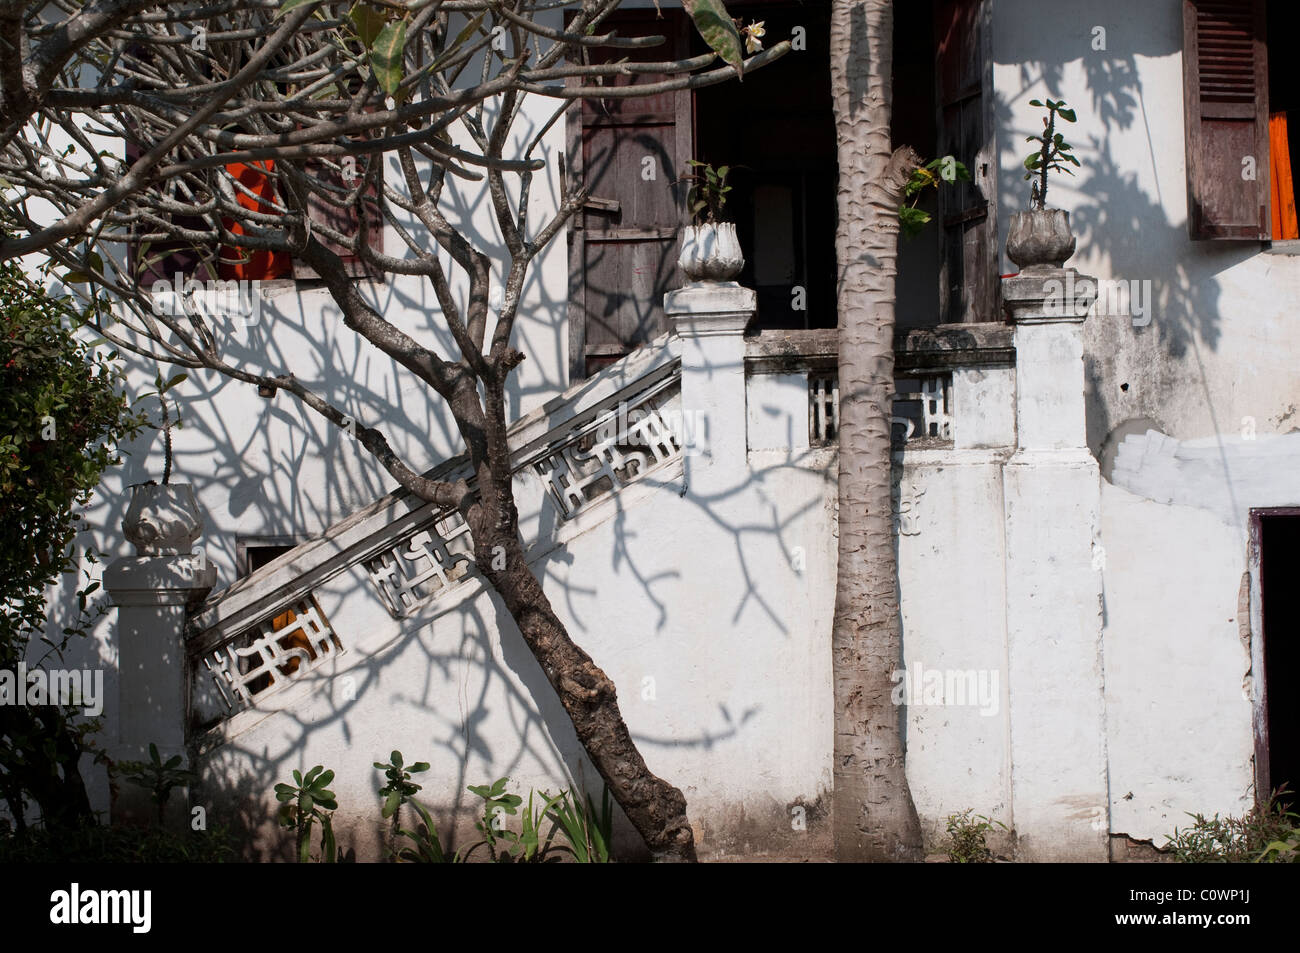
623 246
1225 87
163 260
237 263
344 220
968 270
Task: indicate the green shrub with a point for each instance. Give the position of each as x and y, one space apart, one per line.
92 843
1267 833
968 838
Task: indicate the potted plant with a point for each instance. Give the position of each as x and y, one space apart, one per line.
1040 239
162 519
710 248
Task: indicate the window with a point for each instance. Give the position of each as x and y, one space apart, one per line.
256 191
1241 120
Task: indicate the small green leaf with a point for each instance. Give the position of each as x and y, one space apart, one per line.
1066 114
718 29
369 22
386 56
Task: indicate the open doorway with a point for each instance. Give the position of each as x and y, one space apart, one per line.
776 131
1275 555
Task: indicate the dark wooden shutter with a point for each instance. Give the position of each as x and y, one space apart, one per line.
1225 86
968 271
623 246
344 220
164 260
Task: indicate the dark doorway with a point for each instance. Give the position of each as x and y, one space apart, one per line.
776 130
1276 542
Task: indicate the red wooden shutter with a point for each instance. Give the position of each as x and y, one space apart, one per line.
1225 84
968 272
624 245
254 265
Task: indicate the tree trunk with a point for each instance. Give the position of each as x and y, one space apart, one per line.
873 815
655 807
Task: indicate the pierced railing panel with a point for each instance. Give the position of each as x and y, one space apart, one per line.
823 409
424 566
922 408
269 630
285 645
620 446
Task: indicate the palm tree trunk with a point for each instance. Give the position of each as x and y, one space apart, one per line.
874 818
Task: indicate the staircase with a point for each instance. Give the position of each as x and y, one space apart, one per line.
256 647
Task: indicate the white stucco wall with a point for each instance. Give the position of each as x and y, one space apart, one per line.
1216 355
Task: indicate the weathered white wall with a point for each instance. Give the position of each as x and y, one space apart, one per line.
1178 692
1216 355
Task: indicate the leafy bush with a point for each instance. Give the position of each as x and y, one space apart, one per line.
63 411
157 778
1267 833
306 802
586 834
968 838
92 843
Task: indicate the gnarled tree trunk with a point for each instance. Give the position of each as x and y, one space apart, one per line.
873 815
655 807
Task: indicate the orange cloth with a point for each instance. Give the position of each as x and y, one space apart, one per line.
236 263
1285 226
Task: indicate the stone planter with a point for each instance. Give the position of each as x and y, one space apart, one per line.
162 520
1040 240
711 252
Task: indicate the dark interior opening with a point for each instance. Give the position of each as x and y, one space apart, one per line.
777 133
1279 537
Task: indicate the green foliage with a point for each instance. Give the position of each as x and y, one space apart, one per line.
718 29
63 412
1054 154
708 193
968 838
157 778
1267 833
92 843
305 802
399 791
943 171
586 832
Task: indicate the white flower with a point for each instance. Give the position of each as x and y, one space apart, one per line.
754 34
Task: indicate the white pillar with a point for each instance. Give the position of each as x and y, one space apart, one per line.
151 593
1052 498
710 320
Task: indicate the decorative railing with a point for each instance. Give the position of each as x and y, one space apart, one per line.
923 411
288 643
267 630
922 408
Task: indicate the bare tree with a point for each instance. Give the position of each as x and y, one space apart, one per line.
317 96
873 814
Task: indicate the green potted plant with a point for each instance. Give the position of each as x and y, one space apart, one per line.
1040 238
163 519
710 248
